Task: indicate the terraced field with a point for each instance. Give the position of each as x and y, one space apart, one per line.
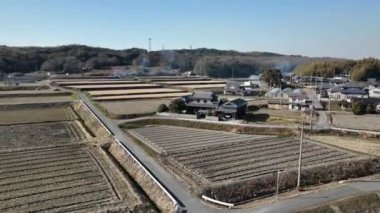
170 140
113 86
133 107
50 133
133 91
217 156
140 96
200 86
64 178
37 115
191 82
94 82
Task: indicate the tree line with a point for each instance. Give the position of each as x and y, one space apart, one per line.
211 62
358 70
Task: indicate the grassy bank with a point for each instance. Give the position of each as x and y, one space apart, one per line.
211 126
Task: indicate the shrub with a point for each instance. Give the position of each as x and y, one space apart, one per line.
358 108
162 108
177 106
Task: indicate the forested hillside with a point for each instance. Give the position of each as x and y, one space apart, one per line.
357 70
212 62
73 58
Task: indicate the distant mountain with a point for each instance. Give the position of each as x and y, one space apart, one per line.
213 62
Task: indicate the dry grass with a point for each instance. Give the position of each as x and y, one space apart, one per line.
201 86
133 91
30 100
133 107
66 83
109 86
144 96
360 145
190 82
36 115
360 122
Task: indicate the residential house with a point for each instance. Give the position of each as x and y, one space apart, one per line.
348 91
374 91
201 101
323 89
300 101
234 109
208 103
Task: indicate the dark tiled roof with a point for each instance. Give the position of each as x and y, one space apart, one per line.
203 95
355 84
354 91
202 105
239 102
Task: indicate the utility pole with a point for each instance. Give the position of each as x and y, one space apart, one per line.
150 44
278 183
300 159
311 115
329 97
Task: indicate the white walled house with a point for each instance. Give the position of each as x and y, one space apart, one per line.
347 92
374 92
300 102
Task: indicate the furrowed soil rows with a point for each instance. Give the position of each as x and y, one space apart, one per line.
52 179
219 156
37 115
39 134
177 139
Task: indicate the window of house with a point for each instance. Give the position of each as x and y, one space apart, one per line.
204 101
198 100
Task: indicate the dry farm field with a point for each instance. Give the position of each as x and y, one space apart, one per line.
133 91
140 96
279 117
94 82
36 115
238 167
39 134
200 86
133 107
65 178
50 163
191 82
218 156
356 144
35 100
360 122
114 86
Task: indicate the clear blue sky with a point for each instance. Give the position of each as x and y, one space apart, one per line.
337 28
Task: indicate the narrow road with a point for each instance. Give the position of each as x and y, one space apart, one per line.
295 203
194 204
323 121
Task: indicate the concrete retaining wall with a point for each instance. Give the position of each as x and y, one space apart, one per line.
90 120
154 192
